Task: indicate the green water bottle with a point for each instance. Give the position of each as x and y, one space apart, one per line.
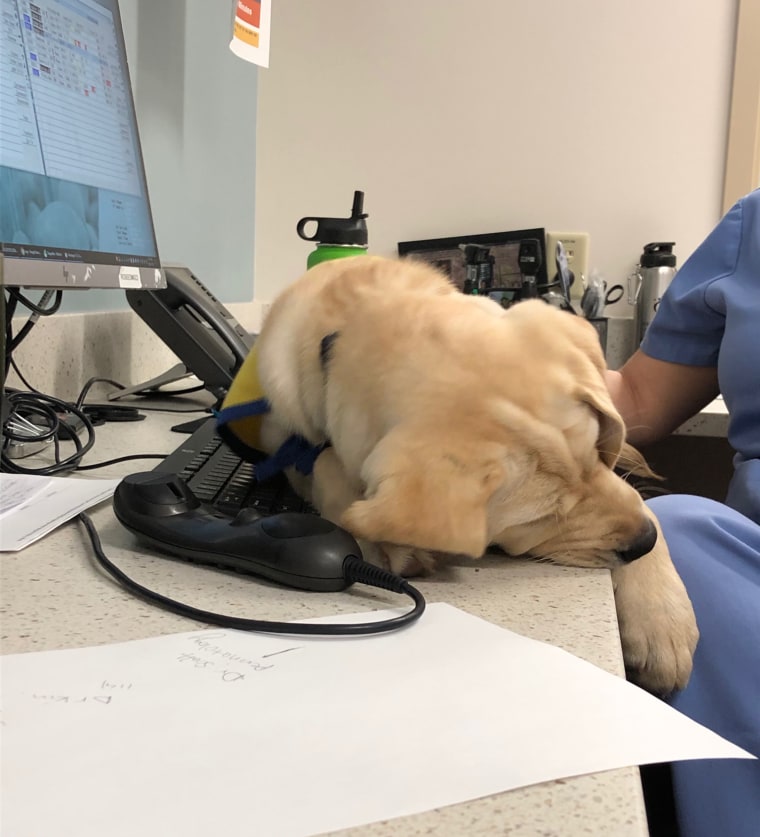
337 237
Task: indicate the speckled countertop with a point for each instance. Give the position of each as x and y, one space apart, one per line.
712 420
53 596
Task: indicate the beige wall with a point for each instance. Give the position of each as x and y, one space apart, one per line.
456 118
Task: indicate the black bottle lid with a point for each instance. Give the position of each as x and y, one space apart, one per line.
659 254
351 231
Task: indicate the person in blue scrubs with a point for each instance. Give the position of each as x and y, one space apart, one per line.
705 340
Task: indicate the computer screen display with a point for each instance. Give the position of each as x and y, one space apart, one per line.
74 207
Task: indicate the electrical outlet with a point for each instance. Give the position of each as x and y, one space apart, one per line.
576 247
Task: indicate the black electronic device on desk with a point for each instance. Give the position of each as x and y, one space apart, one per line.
203 504
298 550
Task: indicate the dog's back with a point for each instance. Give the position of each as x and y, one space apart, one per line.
330 298
403 340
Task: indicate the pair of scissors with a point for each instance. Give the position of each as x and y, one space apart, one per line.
598 296
613 295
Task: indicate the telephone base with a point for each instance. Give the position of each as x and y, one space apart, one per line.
177 373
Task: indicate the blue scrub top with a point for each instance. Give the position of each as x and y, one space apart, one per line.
710 316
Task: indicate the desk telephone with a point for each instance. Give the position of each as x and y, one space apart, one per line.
196 326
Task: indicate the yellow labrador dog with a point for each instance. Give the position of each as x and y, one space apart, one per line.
455 425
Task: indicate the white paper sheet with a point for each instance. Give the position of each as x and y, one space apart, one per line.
33 505
223 732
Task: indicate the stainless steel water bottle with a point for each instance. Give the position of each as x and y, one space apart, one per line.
654 273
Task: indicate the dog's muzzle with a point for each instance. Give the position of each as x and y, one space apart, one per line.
643 543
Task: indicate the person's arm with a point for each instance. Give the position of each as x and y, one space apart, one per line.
655 396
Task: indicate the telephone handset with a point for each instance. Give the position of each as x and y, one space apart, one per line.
192 322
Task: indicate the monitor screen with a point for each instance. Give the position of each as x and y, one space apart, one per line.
74 208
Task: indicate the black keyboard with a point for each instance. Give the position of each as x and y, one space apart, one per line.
219 477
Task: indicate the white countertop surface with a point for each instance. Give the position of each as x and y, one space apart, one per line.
712 420
53 596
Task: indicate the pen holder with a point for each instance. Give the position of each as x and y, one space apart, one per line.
601 326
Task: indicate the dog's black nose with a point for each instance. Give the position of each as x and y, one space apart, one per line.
643 543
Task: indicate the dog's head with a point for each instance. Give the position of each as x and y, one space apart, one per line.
528 465
577 509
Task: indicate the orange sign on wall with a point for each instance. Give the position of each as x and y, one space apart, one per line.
250 31
249 11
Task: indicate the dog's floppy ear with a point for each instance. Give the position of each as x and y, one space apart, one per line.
611 426
426 491
588 367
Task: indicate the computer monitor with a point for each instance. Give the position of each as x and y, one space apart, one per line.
74 207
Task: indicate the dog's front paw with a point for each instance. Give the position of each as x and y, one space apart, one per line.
407 561
658 629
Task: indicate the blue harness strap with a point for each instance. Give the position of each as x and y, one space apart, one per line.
295 451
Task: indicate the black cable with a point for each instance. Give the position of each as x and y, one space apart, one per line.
355 570
23 380
121 459
34 409
143 409
10 310
47 410
44 410
88 386
21 376
41 310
